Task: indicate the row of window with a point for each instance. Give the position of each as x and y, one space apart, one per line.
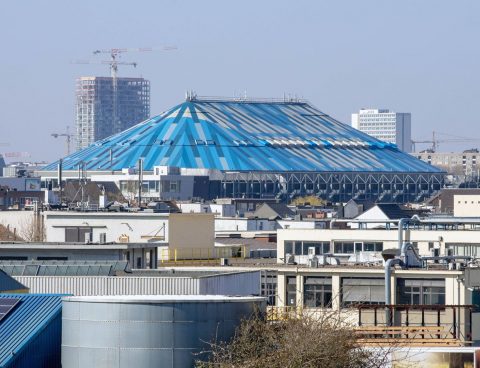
151 186
339 247
363 119
39 258
317 291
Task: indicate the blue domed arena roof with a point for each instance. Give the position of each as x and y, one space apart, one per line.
242 135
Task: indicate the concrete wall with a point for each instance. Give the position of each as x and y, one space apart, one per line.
136 227
243 224
466 205
93 255
292 224
190 232
221 210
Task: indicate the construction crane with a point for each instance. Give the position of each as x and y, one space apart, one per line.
435 142
115 54
68 138
114 62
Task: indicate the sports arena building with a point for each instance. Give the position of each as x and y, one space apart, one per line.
241 148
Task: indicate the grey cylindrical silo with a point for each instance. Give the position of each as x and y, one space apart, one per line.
147 331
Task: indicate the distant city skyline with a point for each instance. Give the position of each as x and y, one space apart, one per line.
419 57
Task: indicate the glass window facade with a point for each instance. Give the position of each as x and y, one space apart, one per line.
291 291
299 248
362 291
269 287
421 291
472 250
347 247
317 292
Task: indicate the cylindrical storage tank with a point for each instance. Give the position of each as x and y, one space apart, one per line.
148 330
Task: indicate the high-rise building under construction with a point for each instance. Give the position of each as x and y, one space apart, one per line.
106 106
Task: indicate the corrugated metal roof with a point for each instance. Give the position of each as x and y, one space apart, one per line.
32 314
245 136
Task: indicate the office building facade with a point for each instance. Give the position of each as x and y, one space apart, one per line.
386 125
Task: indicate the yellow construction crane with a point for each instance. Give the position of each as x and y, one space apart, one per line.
68 138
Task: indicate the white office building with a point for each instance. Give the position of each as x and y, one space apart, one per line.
386 125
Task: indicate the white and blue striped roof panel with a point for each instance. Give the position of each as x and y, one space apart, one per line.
245 136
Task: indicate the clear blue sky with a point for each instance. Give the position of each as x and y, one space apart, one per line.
418 56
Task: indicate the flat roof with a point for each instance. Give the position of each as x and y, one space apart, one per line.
160 299
70 246
333 269
191 273
105 214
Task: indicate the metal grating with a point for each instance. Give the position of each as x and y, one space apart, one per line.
6 305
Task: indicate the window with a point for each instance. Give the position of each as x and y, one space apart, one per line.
343 247
174 186
421 291
472 249
170 186
46 258
269 287
362 291
299 248
13 258
317 292
291 291
320 247
293 248
78 234
373 247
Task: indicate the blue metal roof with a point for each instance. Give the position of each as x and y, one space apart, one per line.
236 135
9 284
25 322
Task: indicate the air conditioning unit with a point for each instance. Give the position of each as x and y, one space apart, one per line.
311 252
313 262
289 259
